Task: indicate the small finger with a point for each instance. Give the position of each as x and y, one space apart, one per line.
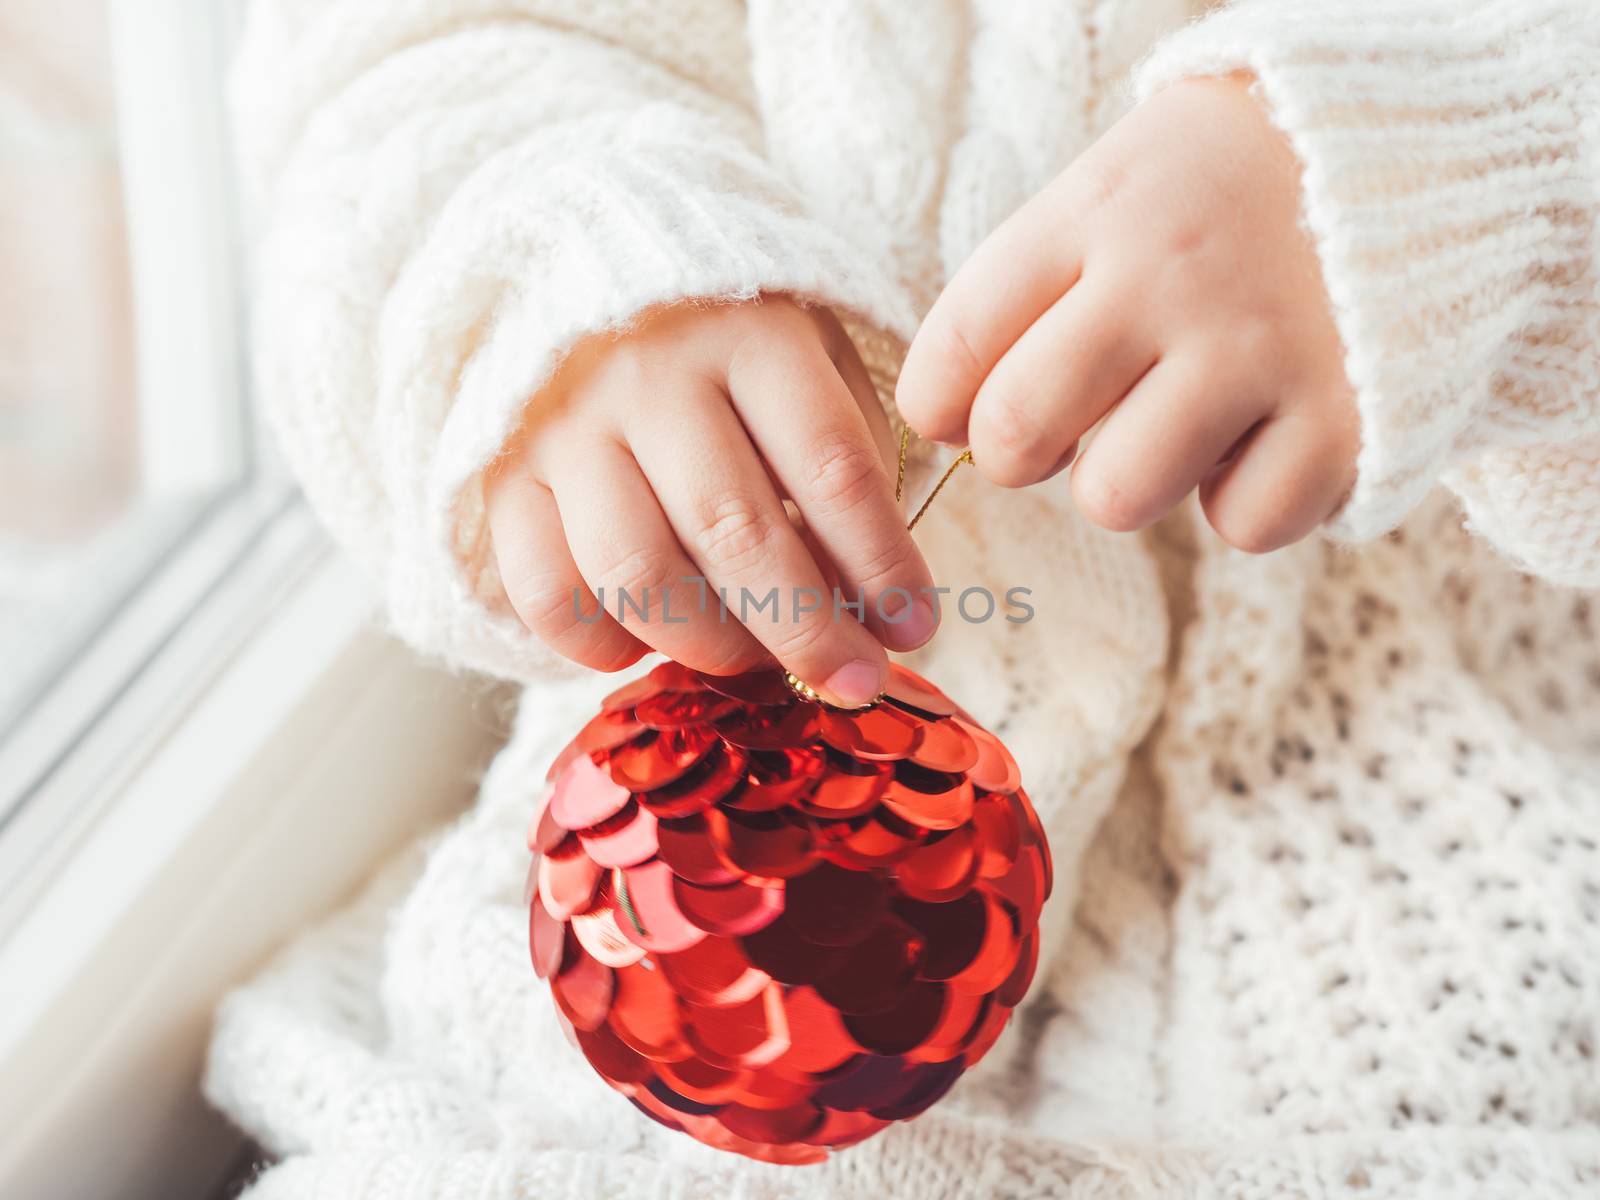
543 583
1160 441
633 561
1284 482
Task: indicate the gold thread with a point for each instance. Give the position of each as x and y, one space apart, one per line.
964 457
900 474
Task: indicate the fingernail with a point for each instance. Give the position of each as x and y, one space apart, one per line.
855 684
907 624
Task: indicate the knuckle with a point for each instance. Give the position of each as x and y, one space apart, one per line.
844 473
799 642
562 615
629 367
1102 184
1254 340
1187 238
1104 502
1010 424
885 564
1176 285
731 534
1006 440
547 604
641 573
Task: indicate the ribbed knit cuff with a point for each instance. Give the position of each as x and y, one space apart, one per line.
575 233
1450 191
1540 505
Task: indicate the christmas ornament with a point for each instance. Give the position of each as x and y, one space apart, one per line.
776 925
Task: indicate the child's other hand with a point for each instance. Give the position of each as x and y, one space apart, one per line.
1163 279
666 455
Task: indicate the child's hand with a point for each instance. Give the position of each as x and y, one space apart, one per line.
1163 278
666 455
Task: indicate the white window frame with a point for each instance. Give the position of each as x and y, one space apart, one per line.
316 748
168 58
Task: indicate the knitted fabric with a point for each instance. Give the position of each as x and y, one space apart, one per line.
1326 822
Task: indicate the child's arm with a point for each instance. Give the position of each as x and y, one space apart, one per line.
1445 158
457 195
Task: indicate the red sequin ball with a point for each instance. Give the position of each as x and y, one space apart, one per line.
778 926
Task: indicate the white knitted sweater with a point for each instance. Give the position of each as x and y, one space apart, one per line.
1337 930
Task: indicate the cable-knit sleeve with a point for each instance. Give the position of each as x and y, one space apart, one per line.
1451 160
455 192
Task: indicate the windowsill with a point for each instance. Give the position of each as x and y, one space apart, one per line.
315 749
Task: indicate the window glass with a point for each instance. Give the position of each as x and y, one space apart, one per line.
123 417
